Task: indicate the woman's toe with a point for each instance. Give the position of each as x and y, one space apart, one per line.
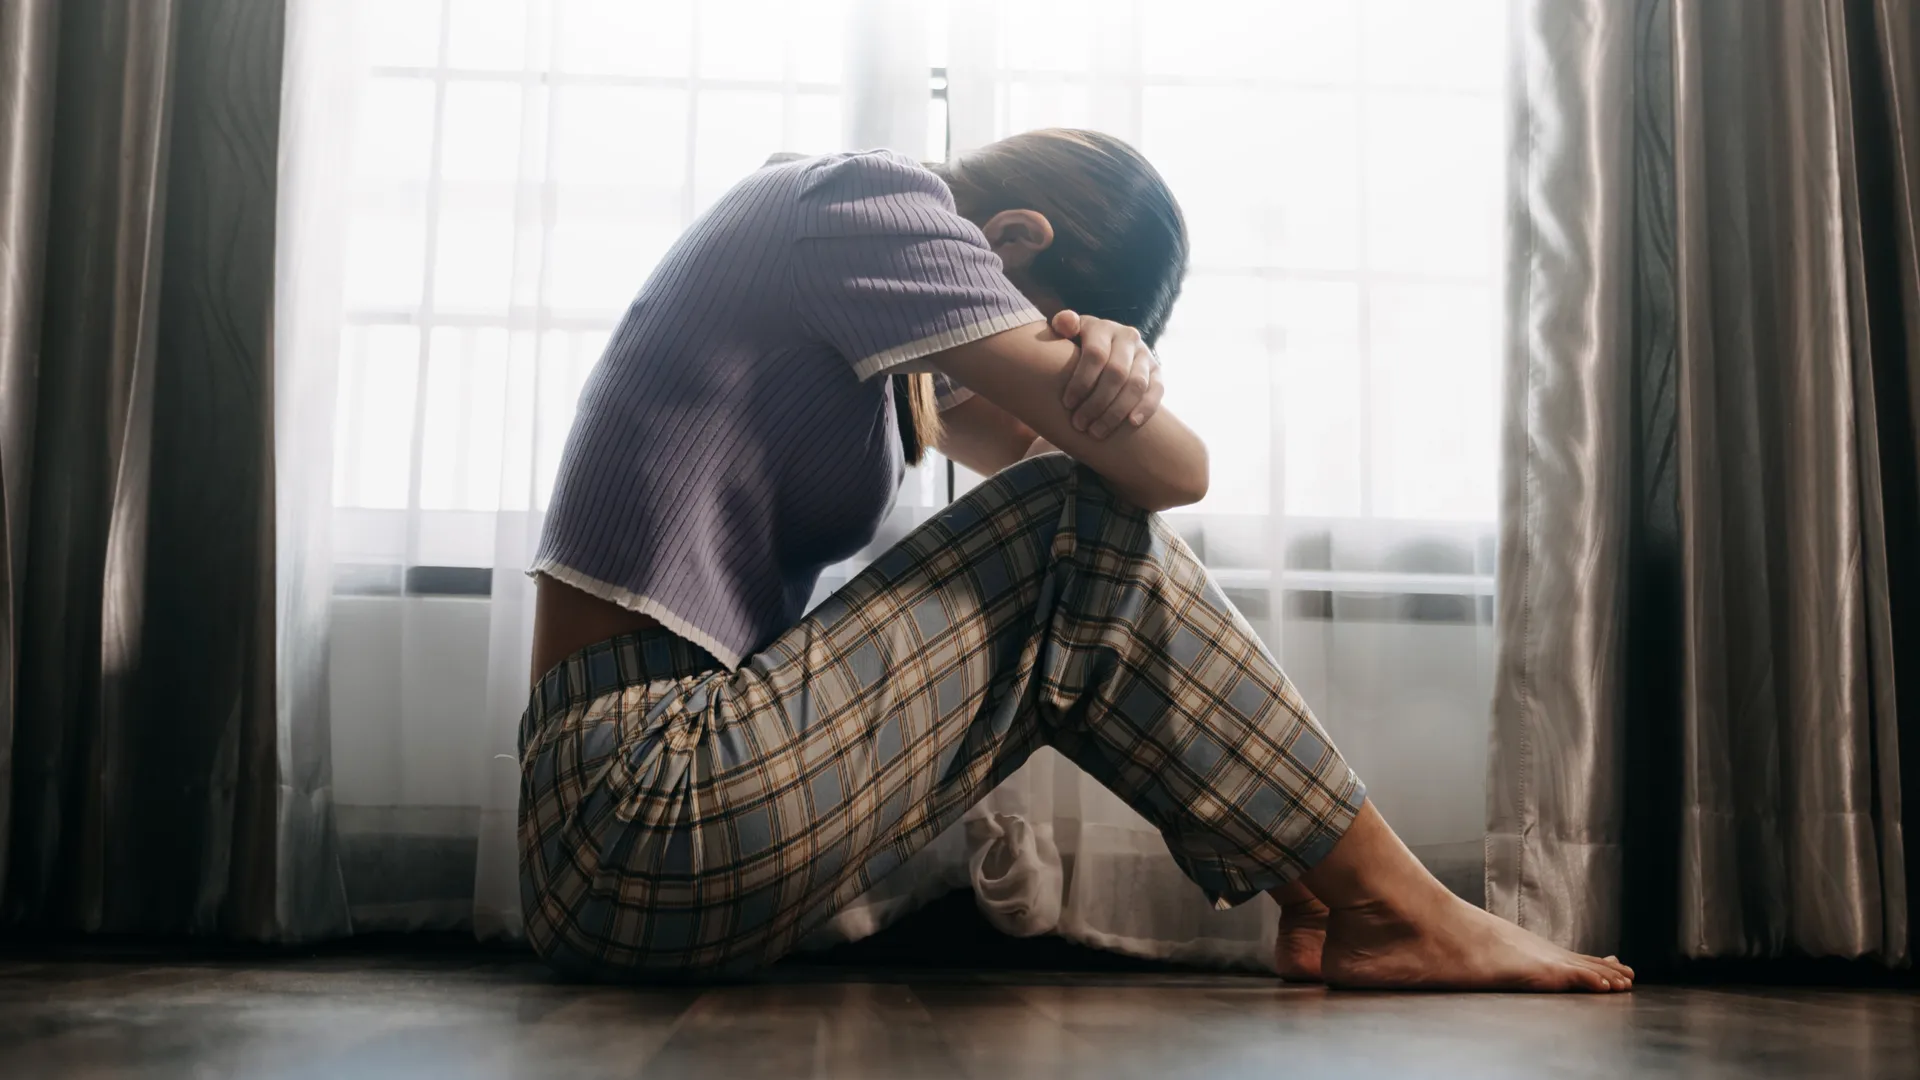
1607 978
1589 978
1618 969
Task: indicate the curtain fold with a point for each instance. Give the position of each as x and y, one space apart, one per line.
140 140
1554 789
27 42
1710 470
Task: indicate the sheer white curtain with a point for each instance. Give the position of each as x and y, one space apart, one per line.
484 184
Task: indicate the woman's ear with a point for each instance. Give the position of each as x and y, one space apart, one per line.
1017 236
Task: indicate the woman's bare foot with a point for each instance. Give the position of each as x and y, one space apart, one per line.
1452 945
1303 933
1393 927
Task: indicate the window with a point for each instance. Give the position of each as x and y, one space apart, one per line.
521 164
1337 341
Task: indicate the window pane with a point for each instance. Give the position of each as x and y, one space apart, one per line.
474 270
481 136
373 433
816 39
1436 393
936 130
1290 41
738 131
393 136
386 259
1048 35
1195 137
1322 395
599 261
939 21
620 135
1219 380
743 39
565 360
461 450
487 34
625 37
1283 192
1038 105
1455 44
817 126
1433 182
519 424
401 33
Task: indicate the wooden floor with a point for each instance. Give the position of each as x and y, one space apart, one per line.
502 1016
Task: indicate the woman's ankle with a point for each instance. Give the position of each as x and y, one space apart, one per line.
1298 902
1370 870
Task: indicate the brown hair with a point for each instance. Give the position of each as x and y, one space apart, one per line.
916 414
1119 246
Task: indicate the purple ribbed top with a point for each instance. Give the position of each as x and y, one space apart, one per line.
734 441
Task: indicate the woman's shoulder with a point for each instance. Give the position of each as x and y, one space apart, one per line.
871 191
871 166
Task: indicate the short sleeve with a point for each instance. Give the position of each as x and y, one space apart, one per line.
887 273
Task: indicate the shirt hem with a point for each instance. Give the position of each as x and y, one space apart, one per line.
639 603
900 356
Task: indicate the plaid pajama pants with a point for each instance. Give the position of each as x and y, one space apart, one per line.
680 818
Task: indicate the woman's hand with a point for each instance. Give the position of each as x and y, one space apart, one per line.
1157 466
1115 379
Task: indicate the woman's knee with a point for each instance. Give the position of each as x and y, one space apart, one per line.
1044 485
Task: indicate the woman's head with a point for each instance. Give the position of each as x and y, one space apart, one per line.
1081 221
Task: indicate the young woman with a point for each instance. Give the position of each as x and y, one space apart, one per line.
709 771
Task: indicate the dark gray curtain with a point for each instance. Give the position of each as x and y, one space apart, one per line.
138 150
1710 612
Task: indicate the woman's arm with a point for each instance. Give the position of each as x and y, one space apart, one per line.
983 436
1025 371
1115 382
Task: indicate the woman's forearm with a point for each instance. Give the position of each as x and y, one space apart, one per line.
1158 465
983 436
